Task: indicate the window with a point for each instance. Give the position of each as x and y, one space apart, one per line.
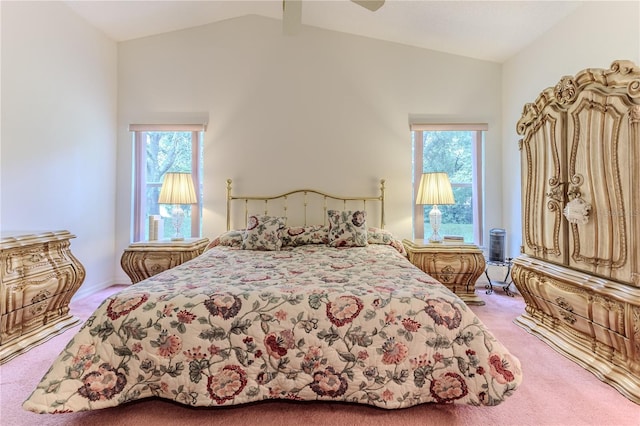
159 149
457 150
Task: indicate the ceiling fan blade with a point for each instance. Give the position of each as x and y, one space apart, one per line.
291 16
372 5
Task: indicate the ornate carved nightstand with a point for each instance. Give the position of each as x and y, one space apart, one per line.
456 265
147 258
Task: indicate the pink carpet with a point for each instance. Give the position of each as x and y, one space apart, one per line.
555 391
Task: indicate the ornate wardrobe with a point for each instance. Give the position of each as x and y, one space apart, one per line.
579 271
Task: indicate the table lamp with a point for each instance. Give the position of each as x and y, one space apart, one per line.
435 189
177 189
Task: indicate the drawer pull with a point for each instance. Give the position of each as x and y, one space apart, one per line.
564 304
38 309
568 317
42 295
36 257
447 274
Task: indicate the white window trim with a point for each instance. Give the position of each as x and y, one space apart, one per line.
167 127
139 198
478 207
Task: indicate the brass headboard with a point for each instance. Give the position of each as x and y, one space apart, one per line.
306 195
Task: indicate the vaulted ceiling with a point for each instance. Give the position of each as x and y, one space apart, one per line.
488 30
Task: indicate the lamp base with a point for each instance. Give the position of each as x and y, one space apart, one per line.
178 217
435 217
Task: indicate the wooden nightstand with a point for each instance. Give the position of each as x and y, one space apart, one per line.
456 265
147 258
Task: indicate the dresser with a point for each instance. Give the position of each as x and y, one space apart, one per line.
456 265
579 268
39 275
144 259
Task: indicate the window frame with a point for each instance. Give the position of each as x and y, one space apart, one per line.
140 174
479 130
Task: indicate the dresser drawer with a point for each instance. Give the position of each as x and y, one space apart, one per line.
446 263
458 284
41 313
446 277
28 292
154 263
23 320
25 262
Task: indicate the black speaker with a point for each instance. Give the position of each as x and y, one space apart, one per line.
496 245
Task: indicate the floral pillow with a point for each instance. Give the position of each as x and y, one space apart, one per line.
231 238
263 233
347 228
301 235
382 236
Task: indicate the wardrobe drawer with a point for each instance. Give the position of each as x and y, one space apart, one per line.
610 314
571 319
565 296
606 336
603 311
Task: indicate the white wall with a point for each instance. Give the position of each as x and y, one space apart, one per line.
593 37
58 146
320 109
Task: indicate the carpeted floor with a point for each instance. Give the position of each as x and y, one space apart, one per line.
555 391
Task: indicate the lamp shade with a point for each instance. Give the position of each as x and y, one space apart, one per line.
435 188
177 188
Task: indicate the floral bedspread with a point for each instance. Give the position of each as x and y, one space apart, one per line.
304 323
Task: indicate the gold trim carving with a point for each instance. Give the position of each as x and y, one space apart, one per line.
622 73
635 314
634 113
633 89
623 66
565 90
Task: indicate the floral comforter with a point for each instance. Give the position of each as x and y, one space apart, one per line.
305 323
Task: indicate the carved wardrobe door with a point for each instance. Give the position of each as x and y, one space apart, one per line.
543 190
602 152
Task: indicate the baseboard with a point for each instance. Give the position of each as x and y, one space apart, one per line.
86 290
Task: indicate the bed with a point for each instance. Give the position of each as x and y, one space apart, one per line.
327 310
